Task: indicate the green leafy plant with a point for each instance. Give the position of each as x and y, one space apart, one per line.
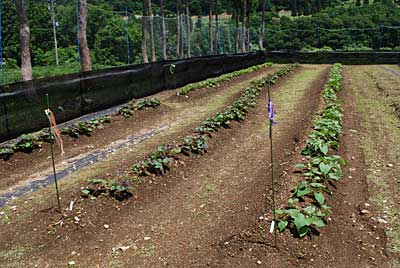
86 127
194 144
134 105
6 153
27 143
307 206
103 187
157 162
302 220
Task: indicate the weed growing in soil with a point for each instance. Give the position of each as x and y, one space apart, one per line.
307 209
214 82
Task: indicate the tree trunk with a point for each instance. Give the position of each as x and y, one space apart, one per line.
153 48
164 40
237 32
144 31
248 41
179 32
86 64
210 25
26 66
216 29
244 31
262 30
53 22
182 47
188 29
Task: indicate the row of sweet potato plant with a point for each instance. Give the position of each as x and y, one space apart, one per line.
214 82
167 156
26 143
307 210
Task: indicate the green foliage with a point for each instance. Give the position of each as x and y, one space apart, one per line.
303 220
194 144
308 33
6 153
307 208
157 162
27 143
214 82
134 105
104 187
86 127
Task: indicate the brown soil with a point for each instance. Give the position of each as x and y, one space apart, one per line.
174 109
206 213
182 206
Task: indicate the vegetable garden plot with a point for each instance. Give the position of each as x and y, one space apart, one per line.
96 147
221 192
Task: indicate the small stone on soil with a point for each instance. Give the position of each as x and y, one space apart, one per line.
382 221
365 211
106 226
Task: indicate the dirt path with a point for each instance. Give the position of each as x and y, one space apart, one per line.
377 94
180 219
175 112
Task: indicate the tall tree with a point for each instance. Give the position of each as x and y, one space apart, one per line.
153 48
144 31
53 22
86 64
189 54
163 37
179 31
24 32
237 30
244 31
262 30
216 28
210 27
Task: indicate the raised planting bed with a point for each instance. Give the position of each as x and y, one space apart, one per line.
307 209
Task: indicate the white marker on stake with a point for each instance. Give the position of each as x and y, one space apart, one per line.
271 229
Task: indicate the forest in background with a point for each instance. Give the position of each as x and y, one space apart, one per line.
116 39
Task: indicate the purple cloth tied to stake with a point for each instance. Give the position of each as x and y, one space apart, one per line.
272 112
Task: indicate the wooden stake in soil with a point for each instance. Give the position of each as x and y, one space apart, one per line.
271 115
52 153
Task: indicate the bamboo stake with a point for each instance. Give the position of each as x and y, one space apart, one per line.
52 157
271 111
